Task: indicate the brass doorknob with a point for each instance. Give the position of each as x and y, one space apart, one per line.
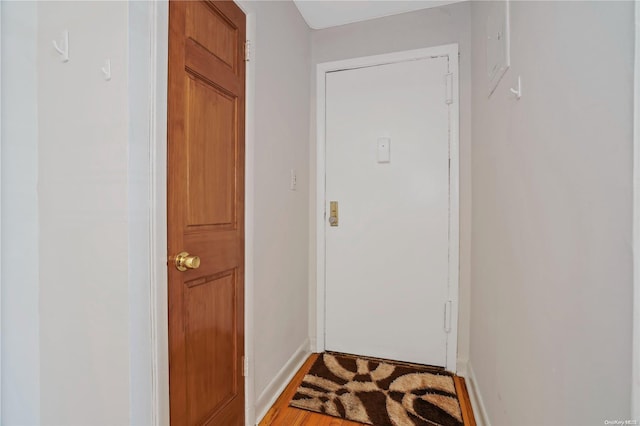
185 261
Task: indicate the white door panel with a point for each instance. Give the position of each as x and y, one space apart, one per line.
387 260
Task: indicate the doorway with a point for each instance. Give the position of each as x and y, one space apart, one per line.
388 182
205 171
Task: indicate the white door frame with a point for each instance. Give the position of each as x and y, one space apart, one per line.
157 220
0 217
249 200
450 51
635 368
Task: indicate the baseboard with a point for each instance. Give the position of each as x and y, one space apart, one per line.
273 390
461 367
313 345
479 409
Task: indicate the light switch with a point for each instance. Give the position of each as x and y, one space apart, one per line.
384 150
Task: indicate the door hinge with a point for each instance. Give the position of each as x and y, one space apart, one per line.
449 90
447 316
245 366
247 50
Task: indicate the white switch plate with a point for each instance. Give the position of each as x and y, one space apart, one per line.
384 150
293 182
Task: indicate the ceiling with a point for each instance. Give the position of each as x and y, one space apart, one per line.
331 13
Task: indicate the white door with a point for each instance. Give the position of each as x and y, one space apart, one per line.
387 259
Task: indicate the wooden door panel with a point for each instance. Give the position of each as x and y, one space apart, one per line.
211 146
211 350
206 212
200 62
221 255
208 27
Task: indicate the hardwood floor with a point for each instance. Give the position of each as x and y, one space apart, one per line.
465 402
283 415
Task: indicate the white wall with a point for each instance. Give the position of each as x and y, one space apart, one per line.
65 283
138 200
282 83
414 30
84 283
20 272
551 244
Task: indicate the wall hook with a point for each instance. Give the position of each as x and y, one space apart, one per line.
518 91
63 49
106 70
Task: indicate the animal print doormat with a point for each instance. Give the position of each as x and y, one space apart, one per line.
379 393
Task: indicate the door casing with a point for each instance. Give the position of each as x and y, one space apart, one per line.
450 50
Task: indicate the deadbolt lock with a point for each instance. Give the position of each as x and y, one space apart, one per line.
333 213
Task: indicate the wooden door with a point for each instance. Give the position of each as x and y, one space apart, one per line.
206 103
387 260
